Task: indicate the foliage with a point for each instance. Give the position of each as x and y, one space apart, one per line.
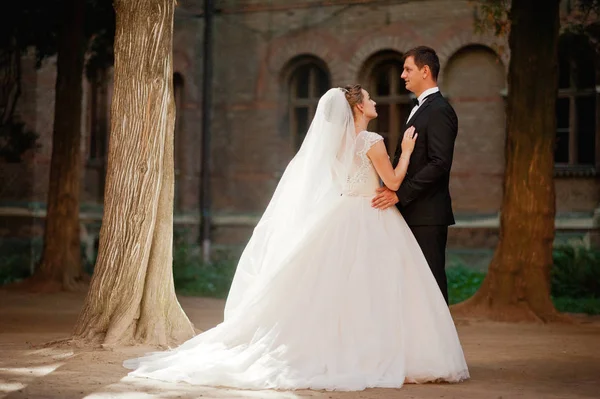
33 23
576 272
100 29
16 140
36 23
463 282
193 277
590 305
578 17
575 280
492 15
15 257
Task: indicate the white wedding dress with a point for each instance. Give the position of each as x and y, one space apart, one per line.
347 304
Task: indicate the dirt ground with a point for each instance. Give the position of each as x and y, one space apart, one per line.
505 360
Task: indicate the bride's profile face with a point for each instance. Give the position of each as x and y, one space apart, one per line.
368 105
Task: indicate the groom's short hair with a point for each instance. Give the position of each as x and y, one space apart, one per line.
424 55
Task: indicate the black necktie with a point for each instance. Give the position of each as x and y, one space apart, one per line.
415 102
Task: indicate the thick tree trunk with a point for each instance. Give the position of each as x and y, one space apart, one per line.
517 286
60 267
132 297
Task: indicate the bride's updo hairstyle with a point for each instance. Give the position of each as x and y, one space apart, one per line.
354 95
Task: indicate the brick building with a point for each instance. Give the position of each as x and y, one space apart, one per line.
273 59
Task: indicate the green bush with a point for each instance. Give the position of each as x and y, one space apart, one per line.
462 283
576 272
13 267
575 280
15 259
193 277
589 305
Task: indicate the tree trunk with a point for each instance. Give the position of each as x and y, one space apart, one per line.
517 286
10 80
132 296
60 267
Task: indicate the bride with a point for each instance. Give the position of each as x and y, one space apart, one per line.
329 293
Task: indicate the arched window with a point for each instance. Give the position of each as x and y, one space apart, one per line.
308 81
576 103
381 75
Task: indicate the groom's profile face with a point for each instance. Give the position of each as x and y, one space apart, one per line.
411 75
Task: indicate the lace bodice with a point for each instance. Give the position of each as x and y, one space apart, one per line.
363 179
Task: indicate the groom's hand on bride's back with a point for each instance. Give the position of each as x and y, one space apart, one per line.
384 199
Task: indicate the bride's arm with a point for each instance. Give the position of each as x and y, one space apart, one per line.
392 177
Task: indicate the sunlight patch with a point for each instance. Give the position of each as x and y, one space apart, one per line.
25 373
7 387
31 371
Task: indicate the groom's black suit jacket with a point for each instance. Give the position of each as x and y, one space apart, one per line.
424 196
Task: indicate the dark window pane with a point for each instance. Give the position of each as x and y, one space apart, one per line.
585 75
322 81
586 129
576 62
562 113
582 61
382 81
387 74
561 152
302 79
564 72
301 125
308 83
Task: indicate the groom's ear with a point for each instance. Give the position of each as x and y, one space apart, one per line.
426 71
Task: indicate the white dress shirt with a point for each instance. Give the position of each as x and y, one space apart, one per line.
422 99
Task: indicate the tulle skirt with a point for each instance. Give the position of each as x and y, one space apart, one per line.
353 306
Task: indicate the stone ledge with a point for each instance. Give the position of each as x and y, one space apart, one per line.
570 222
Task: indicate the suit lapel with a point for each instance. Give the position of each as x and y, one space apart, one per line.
422 108
428 101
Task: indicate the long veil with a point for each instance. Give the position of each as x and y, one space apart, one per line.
310 185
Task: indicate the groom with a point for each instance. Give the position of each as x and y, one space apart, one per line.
424 196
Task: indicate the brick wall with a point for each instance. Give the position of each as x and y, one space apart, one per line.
251 144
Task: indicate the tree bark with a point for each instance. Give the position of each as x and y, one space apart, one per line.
517 286
60 267
132 296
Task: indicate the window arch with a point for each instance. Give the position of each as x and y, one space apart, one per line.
307 80
576 105
381 75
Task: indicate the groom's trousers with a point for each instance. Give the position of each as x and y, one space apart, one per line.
432 240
